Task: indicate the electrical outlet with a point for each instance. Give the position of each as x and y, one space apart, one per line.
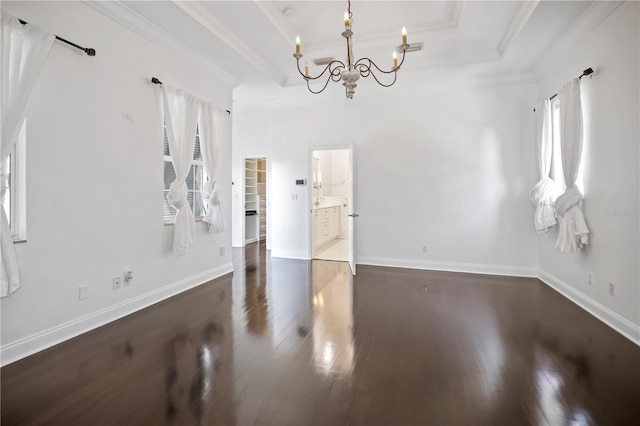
612 289
294 196
590 278
221 251
128 277
425 248
117 282
83 292
126 115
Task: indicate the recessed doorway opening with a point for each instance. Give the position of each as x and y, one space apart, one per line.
331 180
255 199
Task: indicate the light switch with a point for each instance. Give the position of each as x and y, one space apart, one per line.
83 291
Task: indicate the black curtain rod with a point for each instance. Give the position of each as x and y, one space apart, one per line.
89 51
585 73
156 81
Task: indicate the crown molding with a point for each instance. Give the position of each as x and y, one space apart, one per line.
284 103
518 22
505 79
216 27
489 55
131 20
597 12
457 12
280 23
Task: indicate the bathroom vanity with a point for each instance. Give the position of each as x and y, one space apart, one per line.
326 224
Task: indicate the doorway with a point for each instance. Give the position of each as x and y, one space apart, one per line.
331 188
255 199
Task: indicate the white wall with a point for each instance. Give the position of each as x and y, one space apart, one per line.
339 173
334 166
443 164
611 163
94 182
325 167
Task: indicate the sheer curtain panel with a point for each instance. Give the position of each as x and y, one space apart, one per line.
213 130
541 194
24 52
181 118
572 231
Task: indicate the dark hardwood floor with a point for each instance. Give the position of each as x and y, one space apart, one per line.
291 342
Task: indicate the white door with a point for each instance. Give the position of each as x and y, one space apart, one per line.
353 216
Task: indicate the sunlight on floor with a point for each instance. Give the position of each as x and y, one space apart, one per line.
338 250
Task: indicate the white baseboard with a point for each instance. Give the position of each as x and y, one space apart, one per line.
290 254
623 326
26 346
473 268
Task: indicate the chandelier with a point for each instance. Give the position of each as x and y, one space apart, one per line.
350 73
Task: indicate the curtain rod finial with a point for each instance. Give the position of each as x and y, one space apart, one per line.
90 52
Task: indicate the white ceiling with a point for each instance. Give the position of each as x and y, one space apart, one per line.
253 41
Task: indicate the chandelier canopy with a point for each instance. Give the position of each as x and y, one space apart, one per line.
351 72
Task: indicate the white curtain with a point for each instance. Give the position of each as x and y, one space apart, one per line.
541 194
572 231
181 118
213 130
24 51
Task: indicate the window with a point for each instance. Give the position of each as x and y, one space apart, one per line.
14 200
556 158
194 182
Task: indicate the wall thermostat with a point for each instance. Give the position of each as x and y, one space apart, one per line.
301 181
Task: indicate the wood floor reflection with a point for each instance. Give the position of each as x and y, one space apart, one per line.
291 342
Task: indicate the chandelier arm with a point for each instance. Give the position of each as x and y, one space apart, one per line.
393 70
338 65
363 69
395 76
321 90
404 52
366 71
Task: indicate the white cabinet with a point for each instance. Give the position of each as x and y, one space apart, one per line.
316 228
334 222
326 225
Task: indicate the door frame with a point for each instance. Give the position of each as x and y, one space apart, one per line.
333 147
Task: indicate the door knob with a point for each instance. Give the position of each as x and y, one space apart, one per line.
354 215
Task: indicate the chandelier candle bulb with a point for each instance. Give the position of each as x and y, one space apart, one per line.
306 70
298 45
347 20
395 59
404 35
